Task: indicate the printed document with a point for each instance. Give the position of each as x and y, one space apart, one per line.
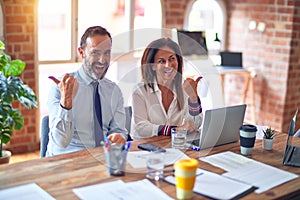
247 170
138 159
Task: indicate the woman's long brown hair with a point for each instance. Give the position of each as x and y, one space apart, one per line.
147 61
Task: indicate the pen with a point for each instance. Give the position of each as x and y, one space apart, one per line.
193 147
106 143
127 145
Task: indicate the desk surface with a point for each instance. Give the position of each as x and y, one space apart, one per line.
59 175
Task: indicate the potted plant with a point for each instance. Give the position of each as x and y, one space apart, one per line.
12 89
268 138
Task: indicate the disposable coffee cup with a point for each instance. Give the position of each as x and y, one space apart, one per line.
185 176
178 138
247 138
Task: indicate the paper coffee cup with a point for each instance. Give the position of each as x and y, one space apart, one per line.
247 138
185 175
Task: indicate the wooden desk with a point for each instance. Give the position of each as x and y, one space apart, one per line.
59 175
248 75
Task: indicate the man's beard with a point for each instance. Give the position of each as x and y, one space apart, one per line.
89 69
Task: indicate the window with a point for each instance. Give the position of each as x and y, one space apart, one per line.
54 33
147 22
120 19
65 21
207 16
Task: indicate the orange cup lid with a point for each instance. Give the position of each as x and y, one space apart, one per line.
187 164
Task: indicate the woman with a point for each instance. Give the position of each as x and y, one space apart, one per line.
162 101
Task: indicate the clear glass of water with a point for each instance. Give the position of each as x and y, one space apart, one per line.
178 138
155 165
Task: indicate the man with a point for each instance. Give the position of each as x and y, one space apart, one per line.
72 100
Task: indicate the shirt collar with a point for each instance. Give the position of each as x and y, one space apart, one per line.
156 88
86 79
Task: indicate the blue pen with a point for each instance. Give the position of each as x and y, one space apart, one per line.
106 140
106 143
127 145
193 147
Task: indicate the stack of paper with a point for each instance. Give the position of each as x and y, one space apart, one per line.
246 170
117 190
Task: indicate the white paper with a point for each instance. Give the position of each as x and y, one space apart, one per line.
25 192
261 175
116 190
215 186
137 159
249 171
227 160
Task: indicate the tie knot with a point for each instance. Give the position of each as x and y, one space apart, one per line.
95 84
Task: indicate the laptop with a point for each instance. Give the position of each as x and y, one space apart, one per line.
292 151
220 126
231 60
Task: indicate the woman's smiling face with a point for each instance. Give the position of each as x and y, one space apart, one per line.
165 65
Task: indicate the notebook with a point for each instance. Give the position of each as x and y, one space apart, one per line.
220 126
292 151
231 60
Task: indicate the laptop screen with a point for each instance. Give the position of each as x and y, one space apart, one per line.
221 126
233 59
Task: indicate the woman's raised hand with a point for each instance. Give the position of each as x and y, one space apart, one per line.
190 87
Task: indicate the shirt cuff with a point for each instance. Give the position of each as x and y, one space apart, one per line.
165 130
195 108
65 114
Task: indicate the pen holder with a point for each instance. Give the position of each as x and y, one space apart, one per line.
115 159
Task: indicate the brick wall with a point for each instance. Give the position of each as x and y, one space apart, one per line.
274 54
271 53
293 84
173 13
20 39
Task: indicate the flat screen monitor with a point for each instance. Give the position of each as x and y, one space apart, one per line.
192 42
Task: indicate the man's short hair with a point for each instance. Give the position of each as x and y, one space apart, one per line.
91 31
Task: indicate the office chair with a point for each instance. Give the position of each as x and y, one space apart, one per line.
44 136
128 113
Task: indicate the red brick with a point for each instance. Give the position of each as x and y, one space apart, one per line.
18 38
14 28
31 129
28 9
16 19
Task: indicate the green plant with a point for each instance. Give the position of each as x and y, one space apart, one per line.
12 89
269 133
